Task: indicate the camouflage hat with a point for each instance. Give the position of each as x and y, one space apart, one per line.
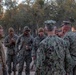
66 23
11 29
50 24
50 27
40 30
26 28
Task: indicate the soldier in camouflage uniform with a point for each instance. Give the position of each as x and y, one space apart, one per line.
24 47
70 38
37 41
53 55
2 55
10 42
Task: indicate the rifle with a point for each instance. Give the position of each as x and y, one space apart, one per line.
22 44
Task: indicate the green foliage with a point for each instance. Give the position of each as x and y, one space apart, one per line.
35 13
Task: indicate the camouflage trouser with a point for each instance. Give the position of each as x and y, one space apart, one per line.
27 59
35 58
11 60
74 68
4 71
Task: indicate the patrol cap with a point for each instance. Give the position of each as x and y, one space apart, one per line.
50 24
66 23
26 28
11 29
40 30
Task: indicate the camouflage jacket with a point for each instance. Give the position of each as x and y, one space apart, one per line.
2 53
10 47
36 43
53 57
21 44
70 38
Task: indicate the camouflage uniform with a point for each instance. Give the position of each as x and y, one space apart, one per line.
51 56
10 52
24 54
2 59
70 38
36 43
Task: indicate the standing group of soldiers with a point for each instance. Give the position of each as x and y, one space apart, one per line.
56 54
53 52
